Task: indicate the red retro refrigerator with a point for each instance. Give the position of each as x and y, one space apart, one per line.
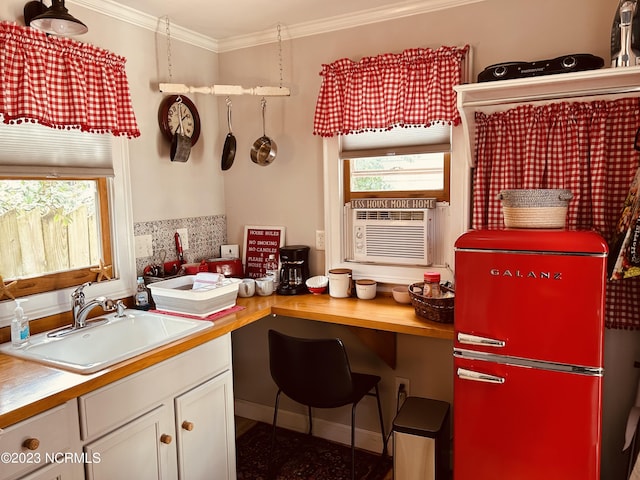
528 354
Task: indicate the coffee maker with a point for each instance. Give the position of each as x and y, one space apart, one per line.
294 270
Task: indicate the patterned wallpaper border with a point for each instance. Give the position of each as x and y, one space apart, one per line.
206 235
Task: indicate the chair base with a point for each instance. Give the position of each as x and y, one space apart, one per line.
272 473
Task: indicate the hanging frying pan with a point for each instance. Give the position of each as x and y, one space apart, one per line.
229 150
264 150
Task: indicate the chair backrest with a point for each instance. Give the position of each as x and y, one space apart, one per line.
312 372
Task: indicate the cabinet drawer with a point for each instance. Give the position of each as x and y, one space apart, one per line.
109 407
49 433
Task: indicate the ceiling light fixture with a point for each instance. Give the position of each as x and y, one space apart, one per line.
55 20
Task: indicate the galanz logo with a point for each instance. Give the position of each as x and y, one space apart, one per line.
526 274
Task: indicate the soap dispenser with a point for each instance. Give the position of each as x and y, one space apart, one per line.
19 326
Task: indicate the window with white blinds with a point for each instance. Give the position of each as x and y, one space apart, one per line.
33 150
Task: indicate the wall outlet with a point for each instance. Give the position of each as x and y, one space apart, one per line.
229 251
407 387
143 245
184 238
319 239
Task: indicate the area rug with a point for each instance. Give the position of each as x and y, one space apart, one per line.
302 457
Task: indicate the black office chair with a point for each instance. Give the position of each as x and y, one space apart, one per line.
316 373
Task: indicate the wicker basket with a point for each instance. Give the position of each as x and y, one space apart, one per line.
535 208
434 309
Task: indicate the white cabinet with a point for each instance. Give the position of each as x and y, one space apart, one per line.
206 437
137 450
65 470
44 446
171 421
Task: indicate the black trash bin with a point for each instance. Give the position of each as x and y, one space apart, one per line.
421 433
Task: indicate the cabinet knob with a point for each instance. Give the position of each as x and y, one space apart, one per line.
166 439
187 425
31 443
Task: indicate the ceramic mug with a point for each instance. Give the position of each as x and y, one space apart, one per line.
366 289
247 287
264 286
340 282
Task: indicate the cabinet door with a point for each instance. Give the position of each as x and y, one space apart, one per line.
206 431
58 471
143 449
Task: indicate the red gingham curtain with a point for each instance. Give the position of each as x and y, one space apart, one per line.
586 147
414 88
62 83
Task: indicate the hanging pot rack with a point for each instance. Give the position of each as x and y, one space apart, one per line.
226 90
181 89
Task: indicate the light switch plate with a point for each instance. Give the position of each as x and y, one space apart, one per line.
143 245
319 239
229 251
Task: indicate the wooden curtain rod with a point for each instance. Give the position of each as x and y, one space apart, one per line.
179 88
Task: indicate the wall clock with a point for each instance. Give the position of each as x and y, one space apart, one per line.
175 109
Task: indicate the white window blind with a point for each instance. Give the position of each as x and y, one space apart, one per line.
436 138
33 150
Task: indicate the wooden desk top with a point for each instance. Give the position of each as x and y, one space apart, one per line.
28 388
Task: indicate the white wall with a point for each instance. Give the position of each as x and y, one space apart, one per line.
161 189
289 192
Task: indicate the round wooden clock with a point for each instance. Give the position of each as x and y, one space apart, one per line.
177 111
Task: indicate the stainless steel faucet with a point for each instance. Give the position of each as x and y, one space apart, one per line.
80 309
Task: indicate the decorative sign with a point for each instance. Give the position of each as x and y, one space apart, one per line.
393 203
259 243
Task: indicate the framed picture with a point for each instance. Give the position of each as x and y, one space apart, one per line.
259 243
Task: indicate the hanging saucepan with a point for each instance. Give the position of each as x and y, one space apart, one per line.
180 143
229 150
264 149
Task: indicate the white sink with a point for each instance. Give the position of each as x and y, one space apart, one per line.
98 347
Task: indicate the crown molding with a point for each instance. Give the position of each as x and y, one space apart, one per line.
341 22
146 21
305 29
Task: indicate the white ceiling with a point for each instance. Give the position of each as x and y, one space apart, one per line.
223 25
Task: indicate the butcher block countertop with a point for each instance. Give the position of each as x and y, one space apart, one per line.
28 388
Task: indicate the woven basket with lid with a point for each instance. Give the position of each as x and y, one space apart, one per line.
535 208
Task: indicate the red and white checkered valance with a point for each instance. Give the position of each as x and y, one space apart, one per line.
586 147
414 88
62 83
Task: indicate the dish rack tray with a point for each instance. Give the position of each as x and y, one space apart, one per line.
435 309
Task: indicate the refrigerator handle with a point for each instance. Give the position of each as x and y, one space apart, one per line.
480 341
465 374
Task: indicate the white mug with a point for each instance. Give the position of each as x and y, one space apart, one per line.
264 286
247 287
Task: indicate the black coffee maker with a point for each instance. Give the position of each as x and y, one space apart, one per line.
294 270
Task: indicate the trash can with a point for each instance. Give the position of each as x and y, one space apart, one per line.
421 440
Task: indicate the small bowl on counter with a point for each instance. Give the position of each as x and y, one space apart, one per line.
401 294
318 284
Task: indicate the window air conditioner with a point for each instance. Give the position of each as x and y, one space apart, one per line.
391 231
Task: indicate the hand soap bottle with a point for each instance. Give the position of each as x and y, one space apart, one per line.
19 326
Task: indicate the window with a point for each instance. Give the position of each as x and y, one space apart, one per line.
420 175
48 176
370 171
397 163
54 232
